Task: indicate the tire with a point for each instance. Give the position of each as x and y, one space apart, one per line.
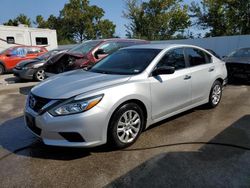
39 75
2 69
122 133
215 94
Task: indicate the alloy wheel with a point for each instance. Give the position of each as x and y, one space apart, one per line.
216 94
128 126
40 75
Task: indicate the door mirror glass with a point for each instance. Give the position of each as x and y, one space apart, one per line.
99 53
163 70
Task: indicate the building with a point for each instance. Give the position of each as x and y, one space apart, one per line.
221 45
23 35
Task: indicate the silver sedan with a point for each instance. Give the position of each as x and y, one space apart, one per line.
124 94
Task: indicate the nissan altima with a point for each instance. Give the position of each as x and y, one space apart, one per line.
124 94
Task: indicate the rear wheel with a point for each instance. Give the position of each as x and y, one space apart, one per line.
126 125
215 94
2 70
39 75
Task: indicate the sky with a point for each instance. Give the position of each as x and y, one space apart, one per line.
10 9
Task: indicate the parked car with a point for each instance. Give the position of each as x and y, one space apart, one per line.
238 64
33 69
87 54
123 94
10 57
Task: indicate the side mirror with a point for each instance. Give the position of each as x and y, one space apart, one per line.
163 70
8 54
99 53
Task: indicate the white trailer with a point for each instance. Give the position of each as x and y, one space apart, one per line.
221 45
23 35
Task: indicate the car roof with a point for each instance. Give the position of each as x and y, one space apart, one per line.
160 46
22 46
119 39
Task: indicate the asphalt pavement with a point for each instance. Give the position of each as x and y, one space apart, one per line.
199 148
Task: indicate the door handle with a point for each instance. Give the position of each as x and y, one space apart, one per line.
187 77
211 69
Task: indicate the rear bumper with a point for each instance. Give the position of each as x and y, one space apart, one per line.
24 73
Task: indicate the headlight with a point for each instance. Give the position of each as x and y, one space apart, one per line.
76 106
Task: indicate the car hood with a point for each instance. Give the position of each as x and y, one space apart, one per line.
244 60
29 61
69 84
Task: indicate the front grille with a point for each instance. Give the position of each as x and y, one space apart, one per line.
36 103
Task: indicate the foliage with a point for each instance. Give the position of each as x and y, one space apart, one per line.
20 19
222 17
156 19
85 21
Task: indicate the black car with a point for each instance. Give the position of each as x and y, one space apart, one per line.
33 69
238 64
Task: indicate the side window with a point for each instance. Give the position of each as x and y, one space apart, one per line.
20 52
125 44
110 47
41 40
196 57
33 50
174 58
208 58
10 40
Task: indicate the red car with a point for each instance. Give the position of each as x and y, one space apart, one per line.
87 54
10 57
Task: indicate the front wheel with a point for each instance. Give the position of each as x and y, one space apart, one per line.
39 75
126 125
215 94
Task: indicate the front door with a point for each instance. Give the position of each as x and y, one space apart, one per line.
172 92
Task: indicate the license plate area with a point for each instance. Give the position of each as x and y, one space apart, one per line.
31 123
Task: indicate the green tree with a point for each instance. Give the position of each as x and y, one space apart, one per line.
20 19
64 35
156 19
222 17
85 21
40 22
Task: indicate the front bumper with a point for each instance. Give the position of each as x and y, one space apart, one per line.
91 126
27 74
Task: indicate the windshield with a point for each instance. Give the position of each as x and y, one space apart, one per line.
4 51
85 47
245 52
127 61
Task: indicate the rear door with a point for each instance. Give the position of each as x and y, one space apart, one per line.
201 67
170 93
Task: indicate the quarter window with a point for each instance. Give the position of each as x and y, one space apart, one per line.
196 57
174 58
